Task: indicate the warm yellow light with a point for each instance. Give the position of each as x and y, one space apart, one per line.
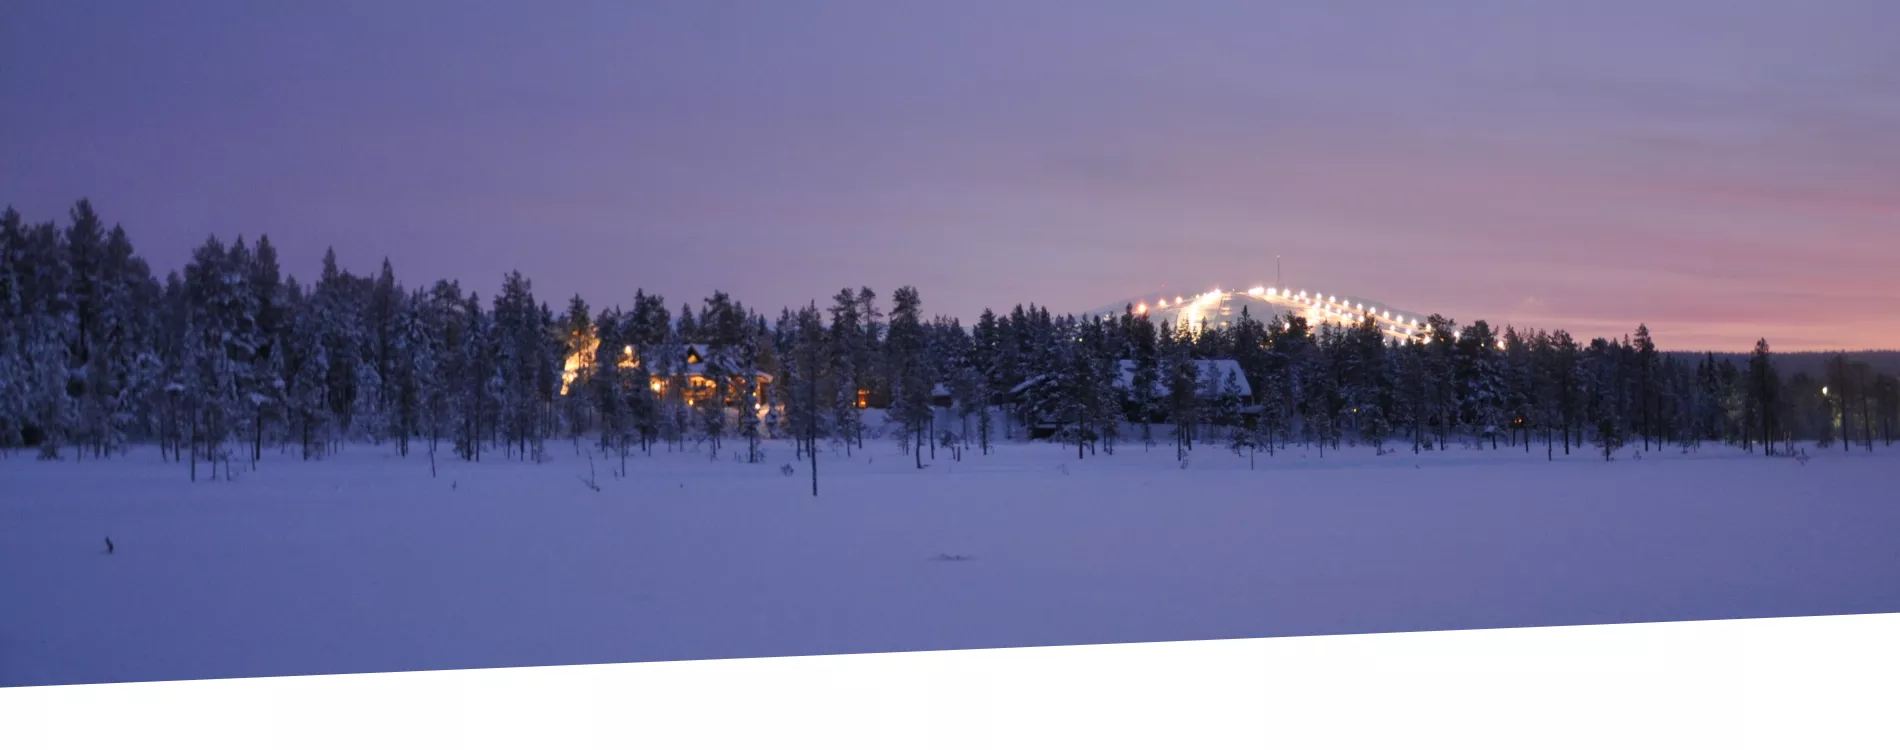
1177 300
658 386
1141 309
1257 291
1163 304
1824 390
629 350
1272 292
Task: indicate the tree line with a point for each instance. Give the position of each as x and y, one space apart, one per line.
227 359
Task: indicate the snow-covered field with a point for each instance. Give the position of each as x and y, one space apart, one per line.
363 562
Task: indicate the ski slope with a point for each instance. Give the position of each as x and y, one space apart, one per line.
1222 306
363 562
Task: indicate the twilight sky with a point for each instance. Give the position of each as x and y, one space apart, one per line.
1720 169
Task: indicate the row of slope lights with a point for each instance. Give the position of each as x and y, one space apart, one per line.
1329 305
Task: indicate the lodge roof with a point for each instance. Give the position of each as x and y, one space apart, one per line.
1216 369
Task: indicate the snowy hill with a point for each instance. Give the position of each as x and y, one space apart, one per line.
1222 306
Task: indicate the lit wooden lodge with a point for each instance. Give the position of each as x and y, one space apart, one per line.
690 381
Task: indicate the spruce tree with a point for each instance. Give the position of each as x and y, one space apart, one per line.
909 377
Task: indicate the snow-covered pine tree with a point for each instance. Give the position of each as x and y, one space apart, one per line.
746 356
42 273
477 374
966 383
15 375
1607 394
1369 376
1319 390
86 296
1181 376
1110 395
339 312
1207 390
414 368
265 309
909 374
807 367
1646 387
1520 390
1764 388
1440 373
848 361
581 348
986 347
649 327
606 391
1085 385
1481 382
1048 398
1144 378
307 371
548 349
1228 408
873 374
381 329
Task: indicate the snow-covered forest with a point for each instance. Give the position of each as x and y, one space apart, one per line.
227 362
405 459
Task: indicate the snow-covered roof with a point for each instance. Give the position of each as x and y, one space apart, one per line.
1216 368
699 352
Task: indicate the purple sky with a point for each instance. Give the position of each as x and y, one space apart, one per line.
1721 169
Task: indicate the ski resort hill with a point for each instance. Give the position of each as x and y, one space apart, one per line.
1222 306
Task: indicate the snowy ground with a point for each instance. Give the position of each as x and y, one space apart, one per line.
364 563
